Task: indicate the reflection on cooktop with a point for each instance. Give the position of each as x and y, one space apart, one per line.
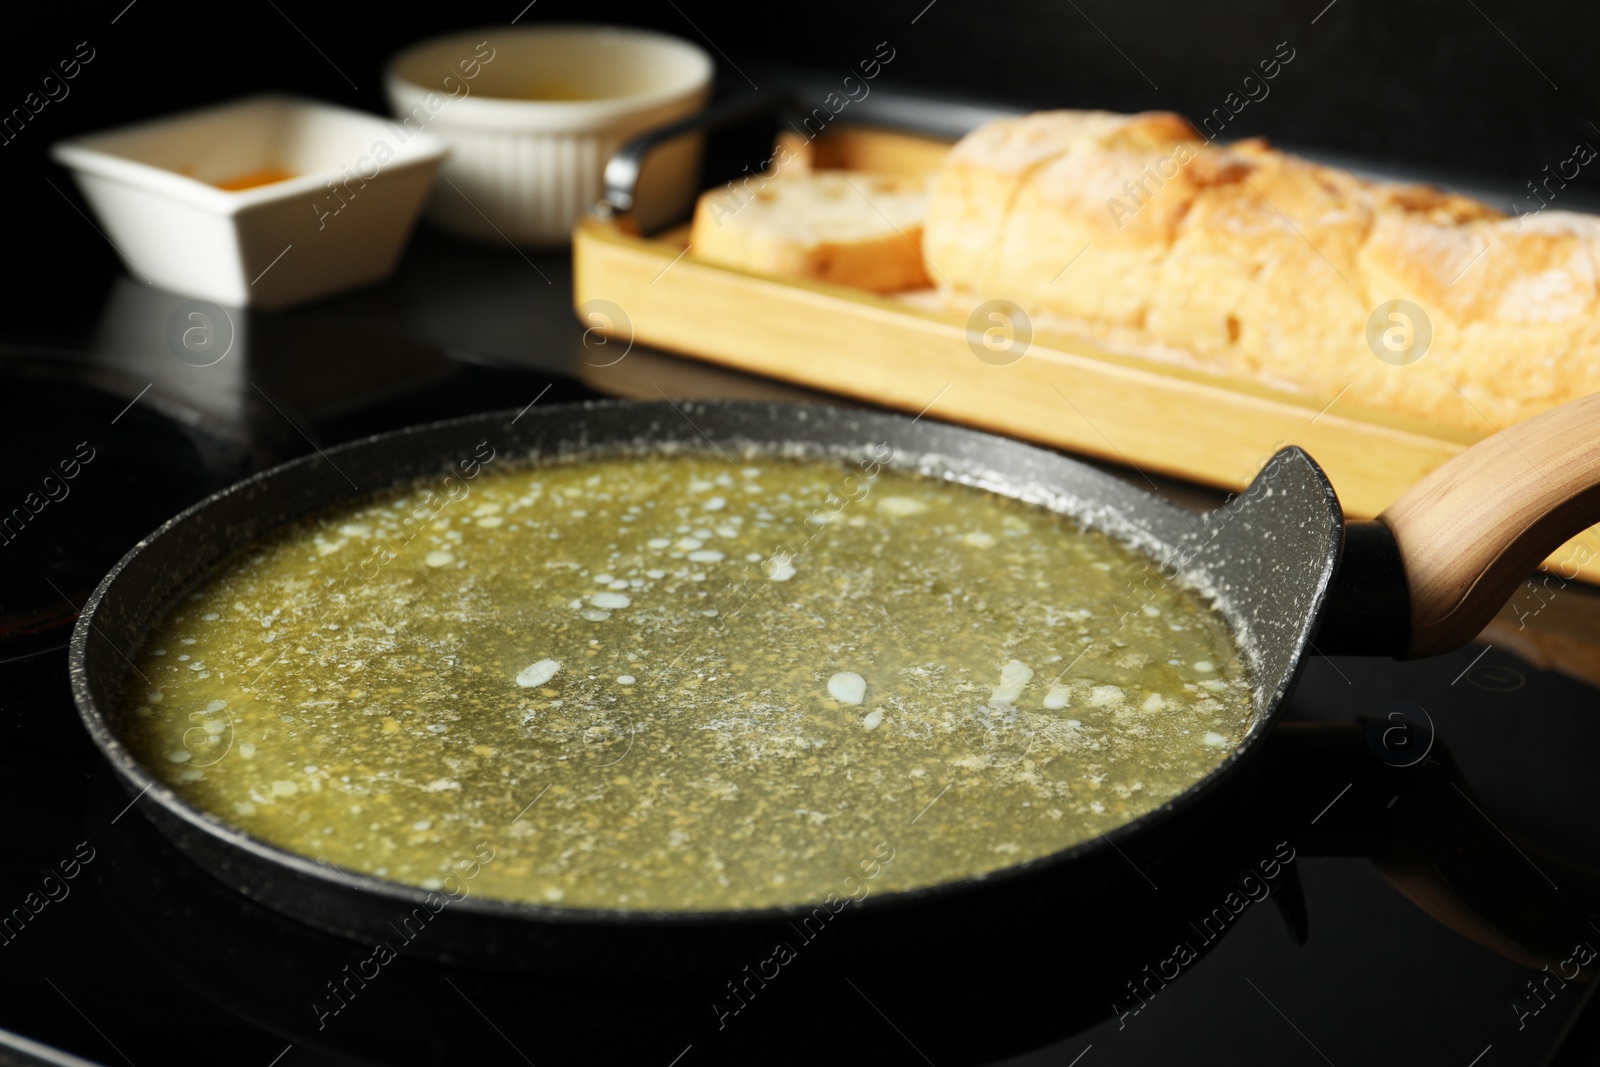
94 461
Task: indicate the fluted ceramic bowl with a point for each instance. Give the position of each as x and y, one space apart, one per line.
532 114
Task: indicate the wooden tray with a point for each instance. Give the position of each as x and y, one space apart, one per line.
1140 412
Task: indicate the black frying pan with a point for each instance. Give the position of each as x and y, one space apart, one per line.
1290 576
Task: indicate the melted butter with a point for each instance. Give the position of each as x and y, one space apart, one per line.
666 682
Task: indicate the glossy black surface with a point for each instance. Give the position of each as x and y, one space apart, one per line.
68 428
1370 605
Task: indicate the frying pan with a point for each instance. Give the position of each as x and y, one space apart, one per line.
1280 564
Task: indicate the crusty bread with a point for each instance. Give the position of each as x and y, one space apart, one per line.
1249 262
849 228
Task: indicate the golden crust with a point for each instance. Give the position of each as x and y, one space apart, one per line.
1136 233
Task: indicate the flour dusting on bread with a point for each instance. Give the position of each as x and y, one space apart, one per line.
1257 264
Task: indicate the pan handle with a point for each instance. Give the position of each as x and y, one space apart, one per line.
1474 529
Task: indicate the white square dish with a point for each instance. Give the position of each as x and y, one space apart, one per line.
338 193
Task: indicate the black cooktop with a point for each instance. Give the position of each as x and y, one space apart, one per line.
1429 826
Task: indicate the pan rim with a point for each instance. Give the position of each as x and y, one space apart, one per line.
140 782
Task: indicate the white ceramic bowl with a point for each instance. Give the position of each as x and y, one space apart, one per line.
533 113
152 188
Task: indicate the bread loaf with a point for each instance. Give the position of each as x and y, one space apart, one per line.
848 228
1133 232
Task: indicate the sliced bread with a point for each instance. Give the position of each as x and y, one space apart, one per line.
844 227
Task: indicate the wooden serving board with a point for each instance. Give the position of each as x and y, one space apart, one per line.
912 355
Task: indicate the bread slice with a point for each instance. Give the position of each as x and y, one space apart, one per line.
848 228
1133 232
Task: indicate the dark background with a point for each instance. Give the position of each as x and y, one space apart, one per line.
1482 88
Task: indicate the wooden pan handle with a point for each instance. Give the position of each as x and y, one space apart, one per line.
1474 529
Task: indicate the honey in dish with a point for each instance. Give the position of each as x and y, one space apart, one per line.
668 682
254 179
